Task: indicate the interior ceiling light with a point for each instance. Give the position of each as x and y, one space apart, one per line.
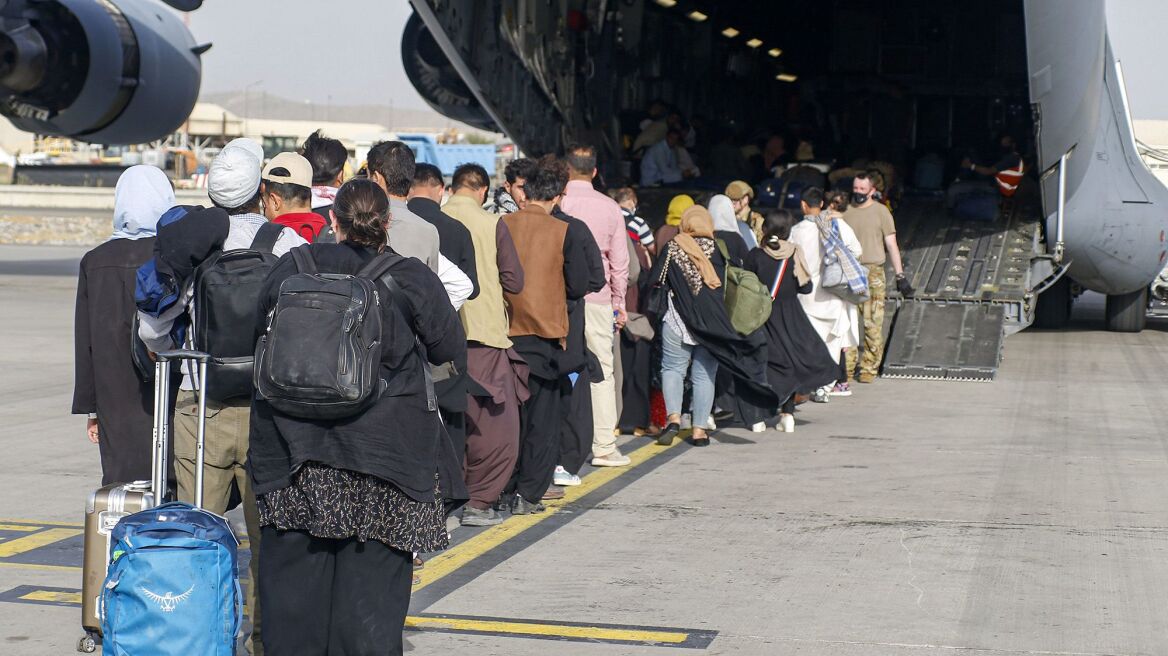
730 32
697 16
774 52
754 43
667 3
786 77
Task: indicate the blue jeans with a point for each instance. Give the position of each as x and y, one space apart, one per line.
675 360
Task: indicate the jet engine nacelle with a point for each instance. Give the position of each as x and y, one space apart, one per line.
101 71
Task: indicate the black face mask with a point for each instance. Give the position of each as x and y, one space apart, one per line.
859 199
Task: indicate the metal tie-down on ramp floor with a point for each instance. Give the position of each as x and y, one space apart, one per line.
972 282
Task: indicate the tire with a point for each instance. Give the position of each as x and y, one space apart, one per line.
1054 306
1127 313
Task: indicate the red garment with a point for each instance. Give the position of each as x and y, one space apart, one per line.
1008 179
306 224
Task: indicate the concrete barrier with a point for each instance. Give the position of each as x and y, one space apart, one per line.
80 198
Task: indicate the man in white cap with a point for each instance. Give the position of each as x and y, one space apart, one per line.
286 189
233 183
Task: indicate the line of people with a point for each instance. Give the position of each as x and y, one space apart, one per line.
543 321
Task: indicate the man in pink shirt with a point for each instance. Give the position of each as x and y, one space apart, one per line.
604 310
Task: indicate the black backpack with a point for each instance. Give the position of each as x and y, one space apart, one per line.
227 298
320 357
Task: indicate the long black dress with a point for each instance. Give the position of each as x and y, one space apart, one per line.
105 379
707 321
797 359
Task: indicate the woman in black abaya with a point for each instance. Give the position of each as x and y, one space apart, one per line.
797 359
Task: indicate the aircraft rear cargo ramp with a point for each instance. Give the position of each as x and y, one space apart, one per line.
971 280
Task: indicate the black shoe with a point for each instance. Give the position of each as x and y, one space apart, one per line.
522 506
700 441
723 415
665 437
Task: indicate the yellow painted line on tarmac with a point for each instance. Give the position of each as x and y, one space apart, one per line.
53 596
540 629
44 568
38 523
452 559
36 541
19 528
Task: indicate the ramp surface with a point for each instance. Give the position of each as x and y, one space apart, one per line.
953 341
972 282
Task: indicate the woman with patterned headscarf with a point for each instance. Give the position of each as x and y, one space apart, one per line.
696 328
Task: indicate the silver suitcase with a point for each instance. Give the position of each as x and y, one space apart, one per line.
109 503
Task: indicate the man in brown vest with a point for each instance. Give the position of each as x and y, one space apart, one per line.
492 414
539 329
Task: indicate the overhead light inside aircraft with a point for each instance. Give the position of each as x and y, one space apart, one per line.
667 3
697 16
730 32
786 77
754 43
774 52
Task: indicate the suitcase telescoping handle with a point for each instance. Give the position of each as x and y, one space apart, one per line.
162 419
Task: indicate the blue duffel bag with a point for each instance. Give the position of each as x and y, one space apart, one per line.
173 584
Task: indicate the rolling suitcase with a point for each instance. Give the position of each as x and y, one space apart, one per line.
173 580
110 503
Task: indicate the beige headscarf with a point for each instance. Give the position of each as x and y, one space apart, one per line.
697 222
781 249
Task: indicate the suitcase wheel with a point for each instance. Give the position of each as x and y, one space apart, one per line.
87 645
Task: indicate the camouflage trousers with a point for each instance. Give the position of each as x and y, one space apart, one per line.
872 312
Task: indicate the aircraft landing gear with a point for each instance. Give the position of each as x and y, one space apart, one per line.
1053 310
1127 313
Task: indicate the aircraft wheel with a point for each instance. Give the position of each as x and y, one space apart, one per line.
1127 313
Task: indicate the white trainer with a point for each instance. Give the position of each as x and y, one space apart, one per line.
786 424
759 427
563 478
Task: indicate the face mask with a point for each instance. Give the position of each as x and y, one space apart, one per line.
859 199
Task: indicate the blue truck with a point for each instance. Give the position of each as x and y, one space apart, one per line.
448 157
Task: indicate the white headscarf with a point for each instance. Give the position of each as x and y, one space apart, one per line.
722 211
141 197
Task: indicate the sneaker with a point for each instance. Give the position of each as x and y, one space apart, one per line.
710 425
841 389
786 424
453 523
614 459
522 506
821 395
475 517
686 421
562 477
758 428
503 502
866 377
553 493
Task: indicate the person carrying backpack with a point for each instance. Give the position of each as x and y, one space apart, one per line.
217 314
696 329
345 497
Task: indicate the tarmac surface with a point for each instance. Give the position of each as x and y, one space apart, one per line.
1024 516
